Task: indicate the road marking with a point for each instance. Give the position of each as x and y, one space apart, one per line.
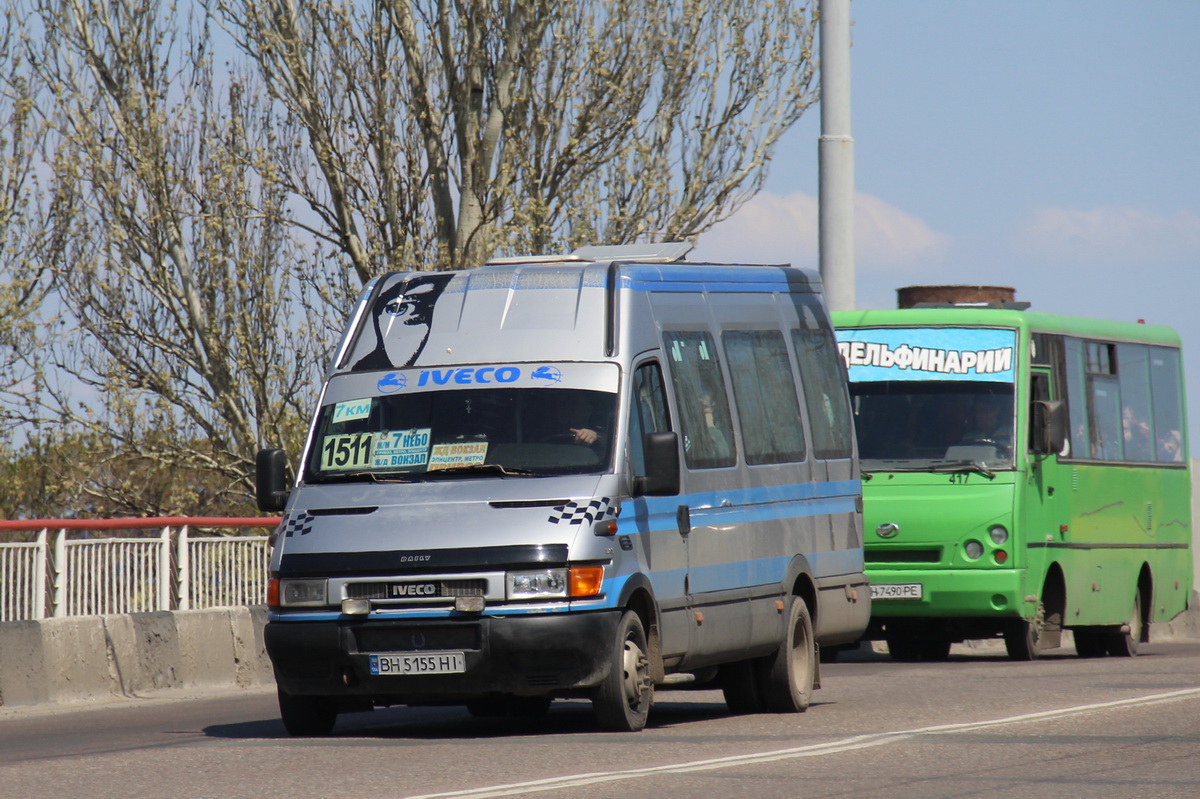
812 750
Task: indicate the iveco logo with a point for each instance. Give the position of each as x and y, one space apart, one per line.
887 530
412 589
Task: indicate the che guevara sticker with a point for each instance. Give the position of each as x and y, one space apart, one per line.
929 353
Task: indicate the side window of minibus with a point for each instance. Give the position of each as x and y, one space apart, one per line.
699 387
823 377
765 394
647 412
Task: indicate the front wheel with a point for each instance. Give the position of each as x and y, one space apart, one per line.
307 716
1023 639
786 678
622 702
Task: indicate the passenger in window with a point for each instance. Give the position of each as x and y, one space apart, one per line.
1170 447
713 443
1137 436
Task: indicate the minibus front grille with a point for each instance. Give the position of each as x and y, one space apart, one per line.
446 588
930 555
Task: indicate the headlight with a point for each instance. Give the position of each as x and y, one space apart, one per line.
544 584
999 534
974 549
302 593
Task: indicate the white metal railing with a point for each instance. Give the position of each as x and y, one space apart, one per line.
68 571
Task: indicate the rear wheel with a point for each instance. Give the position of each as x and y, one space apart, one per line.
739 684
307 716
622 702
786 677
910 650
1125 644
509 706
1089 643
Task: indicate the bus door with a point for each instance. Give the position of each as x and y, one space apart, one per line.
1045 495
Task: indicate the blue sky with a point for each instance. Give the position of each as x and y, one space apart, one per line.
1047 145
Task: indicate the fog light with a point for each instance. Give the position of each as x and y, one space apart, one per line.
468 604
356 607
974 550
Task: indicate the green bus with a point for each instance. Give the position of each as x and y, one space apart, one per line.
1024 474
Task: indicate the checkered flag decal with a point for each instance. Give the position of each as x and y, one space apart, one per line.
300 523
574 513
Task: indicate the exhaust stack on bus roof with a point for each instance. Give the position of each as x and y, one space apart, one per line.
959 297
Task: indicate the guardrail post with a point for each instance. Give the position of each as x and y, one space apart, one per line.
183 569
60 573
164 569
40 588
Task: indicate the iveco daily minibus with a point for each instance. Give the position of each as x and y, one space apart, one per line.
569 476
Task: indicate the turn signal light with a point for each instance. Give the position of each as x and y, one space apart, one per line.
273 592
586 580
1001 556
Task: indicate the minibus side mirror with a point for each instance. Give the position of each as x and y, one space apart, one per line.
1047 427
662 466
270 480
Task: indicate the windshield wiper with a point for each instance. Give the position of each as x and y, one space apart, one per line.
373 477
963 466
480 468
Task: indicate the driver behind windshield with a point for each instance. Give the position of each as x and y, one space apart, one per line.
989 422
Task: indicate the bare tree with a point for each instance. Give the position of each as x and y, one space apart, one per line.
179 242
443 132
178 275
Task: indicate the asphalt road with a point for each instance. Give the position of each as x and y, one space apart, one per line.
977 725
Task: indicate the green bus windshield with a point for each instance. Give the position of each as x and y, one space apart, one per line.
907 425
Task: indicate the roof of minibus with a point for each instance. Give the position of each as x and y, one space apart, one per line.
1035 321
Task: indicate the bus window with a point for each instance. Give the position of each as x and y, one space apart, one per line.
1104 395
1168 407
700 394
924 423
765 393
1133 371
647 413
1077 406
824 396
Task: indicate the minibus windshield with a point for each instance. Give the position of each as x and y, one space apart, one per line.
460 433
933 425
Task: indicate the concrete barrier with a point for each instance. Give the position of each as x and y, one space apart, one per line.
89 658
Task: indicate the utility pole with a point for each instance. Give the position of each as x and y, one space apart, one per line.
835 157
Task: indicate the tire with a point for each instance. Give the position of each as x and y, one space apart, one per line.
911 650
1089 643
509 706
1125 645
785 679
622 701
739 684
1022 639
307 716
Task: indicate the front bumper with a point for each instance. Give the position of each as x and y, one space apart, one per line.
527 655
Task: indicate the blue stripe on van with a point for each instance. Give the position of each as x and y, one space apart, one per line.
767 503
